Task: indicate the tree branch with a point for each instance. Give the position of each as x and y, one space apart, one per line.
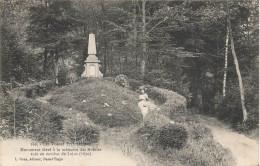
119 27
156 25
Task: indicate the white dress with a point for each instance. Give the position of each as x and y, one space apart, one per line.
143 104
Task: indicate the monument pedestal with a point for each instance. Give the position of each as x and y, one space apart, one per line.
92 63
92 67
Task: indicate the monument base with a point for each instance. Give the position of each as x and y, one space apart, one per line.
92 70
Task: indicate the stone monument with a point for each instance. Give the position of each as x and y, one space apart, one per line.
92 63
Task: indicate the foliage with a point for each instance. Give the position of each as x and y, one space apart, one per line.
154 78
251 123
122 80
199 149
37 89
62 76
155 96
174 136
229 110
135 84
32 119
80 131
199 132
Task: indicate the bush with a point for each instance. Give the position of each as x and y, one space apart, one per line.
229 110
251 123
167 136
80 131
112 79
157 78
62 76
199 131
122 81
156 96
153 75
47 127
173 136
36 89
135 84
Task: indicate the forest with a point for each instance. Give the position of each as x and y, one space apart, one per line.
206 51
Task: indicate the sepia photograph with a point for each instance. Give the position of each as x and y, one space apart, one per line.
129 83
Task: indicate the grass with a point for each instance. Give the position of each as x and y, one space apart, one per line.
45 122
104 102
32 120
86 99
201 149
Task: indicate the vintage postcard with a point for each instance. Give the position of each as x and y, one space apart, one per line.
129 83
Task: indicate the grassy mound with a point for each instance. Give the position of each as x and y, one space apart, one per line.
104 102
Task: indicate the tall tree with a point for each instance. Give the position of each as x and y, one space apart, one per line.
241 88
49 26
226 63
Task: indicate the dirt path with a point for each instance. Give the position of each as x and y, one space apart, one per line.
245 150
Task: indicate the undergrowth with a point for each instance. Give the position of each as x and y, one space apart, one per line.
29 118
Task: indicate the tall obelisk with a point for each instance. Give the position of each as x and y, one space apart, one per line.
92 62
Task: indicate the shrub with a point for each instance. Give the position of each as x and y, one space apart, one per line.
47 127
122 81
199 131
156 96
229 110
62 76
36 89
157 78
135 84
251 123
112 79
153 75
173 135
80 131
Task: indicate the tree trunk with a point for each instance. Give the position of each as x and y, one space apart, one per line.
45 49
249 39
54 72
135 37
111 61
105 59
104 13
45 56
144 49
119 61
226 63
241 88
14 116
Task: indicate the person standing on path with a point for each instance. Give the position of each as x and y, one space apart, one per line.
143 105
